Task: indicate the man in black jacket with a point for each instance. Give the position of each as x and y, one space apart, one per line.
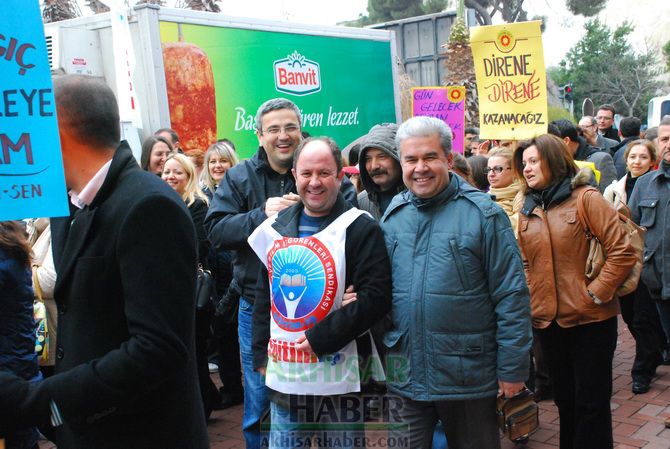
249 193
303 333
582 151
629 127
605 118
125 289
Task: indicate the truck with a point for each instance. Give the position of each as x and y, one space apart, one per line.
205 74
658 108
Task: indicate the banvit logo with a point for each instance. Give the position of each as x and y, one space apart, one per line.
297 75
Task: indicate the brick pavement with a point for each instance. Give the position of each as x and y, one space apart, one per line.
637 419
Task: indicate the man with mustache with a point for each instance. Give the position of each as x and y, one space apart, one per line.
381 174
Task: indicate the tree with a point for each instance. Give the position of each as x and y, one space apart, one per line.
386 10
97 6
460 66
203 5
604 67
55 10
666 53
485 10
586 8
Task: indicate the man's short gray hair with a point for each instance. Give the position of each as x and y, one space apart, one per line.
274 105
424 126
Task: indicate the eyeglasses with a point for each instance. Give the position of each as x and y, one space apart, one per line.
498 169
276 130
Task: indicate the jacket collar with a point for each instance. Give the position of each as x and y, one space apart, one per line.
122 160
287 220
556 193
263 165
584 150
69 235
663 170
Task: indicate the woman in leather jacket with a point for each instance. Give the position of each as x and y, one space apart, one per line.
575 317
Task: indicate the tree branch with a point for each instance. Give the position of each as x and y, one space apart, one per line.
483 13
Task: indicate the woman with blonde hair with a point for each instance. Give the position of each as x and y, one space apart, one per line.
504 184
218 159
575 317
179 173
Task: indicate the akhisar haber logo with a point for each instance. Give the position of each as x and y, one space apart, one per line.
297 75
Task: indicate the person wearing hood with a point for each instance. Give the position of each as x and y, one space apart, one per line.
582 151
380 169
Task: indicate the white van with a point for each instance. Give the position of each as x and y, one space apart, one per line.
659 107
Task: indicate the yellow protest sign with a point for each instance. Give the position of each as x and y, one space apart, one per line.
511 80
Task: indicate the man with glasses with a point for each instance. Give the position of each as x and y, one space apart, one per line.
251 192
605 119
589 131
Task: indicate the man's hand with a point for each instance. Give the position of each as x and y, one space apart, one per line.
277 203
509 389
302 344
20 405
349 296
262 371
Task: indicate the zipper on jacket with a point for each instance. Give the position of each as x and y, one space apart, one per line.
423 305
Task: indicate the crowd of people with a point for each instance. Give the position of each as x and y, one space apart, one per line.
394 278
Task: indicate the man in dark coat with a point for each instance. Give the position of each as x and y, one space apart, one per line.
605 118
249 193
322 236
629 127
582 151
126 266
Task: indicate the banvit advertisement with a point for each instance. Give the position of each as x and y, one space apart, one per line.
217 77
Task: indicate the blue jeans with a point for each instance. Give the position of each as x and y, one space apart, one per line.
317 422
255 392
439 438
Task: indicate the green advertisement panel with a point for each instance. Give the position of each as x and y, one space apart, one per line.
218 77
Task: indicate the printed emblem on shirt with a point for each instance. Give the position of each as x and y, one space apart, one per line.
304 282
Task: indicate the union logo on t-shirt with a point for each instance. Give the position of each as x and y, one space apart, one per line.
304 282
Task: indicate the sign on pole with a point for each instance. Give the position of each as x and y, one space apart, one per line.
32 183
511 80
446 103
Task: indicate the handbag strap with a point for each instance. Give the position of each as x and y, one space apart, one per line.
582 214
36 284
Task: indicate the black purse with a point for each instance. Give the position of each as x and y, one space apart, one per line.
205 291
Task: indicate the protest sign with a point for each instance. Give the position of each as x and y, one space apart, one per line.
32 183
446 103
511 80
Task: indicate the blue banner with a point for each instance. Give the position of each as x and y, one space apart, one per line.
32 182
